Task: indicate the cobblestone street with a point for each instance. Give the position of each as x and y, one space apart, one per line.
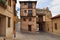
35 36
29 19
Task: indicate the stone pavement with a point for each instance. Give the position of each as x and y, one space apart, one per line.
33 36
1 38
36 36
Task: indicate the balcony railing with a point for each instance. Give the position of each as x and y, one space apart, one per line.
29 15
3 4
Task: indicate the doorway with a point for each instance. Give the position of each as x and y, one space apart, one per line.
40 27
2 26
29 27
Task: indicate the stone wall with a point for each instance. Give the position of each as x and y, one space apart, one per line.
57 21
8 12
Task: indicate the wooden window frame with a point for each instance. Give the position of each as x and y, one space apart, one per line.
9 21
55 26
25 3
30 5
25 11
29 14
24 19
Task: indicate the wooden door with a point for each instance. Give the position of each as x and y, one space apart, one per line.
29 27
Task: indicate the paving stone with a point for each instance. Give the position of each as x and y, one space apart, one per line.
35 36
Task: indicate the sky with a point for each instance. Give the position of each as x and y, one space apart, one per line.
53 5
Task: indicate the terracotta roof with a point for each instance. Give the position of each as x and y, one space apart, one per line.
57 16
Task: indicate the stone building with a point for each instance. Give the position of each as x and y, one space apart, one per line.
47 23
28 16
43 19
7 17
36 20
56 24
33 19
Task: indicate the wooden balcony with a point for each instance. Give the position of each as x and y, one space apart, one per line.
40 19
40 12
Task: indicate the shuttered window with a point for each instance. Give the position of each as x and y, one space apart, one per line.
8 21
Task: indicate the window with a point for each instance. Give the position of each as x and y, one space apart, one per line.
25 3
29 5
56 26
9 2
30 19
48 28
8 21
24 19
25 11
30 12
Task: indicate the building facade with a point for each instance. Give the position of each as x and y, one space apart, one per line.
43 19
7 17
56 24
28 16
33 19
36 20
47 23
